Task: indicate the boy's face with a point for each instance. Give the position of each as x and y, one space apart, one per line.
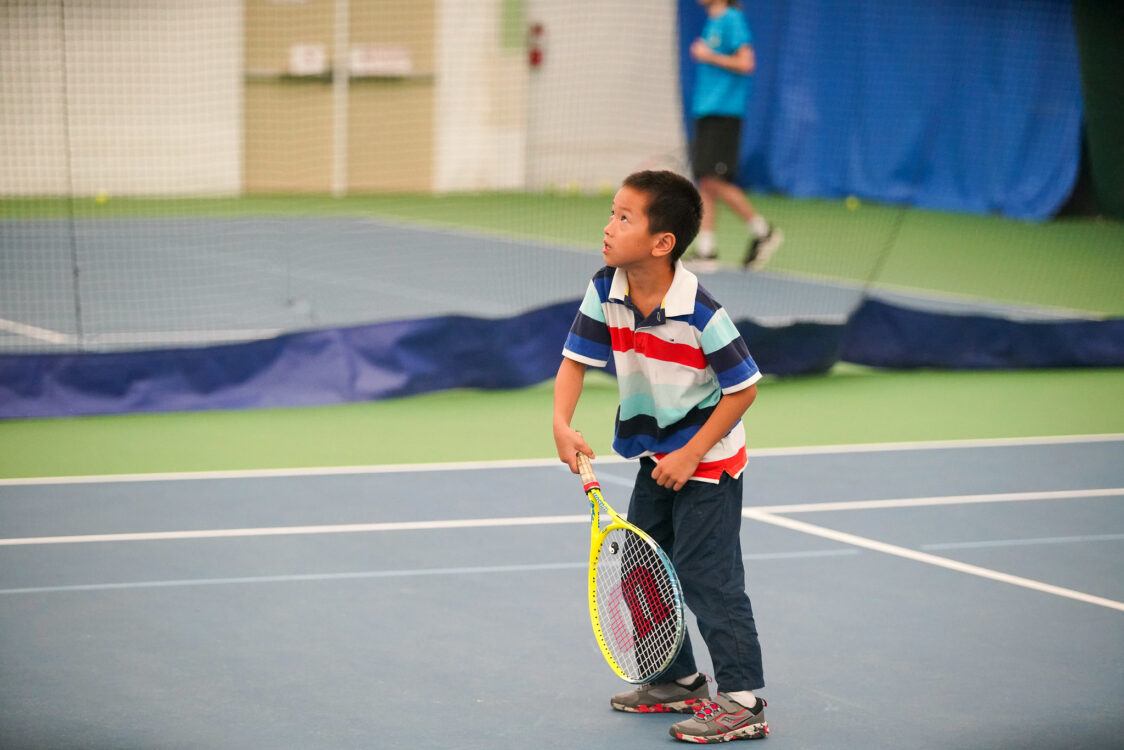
627 241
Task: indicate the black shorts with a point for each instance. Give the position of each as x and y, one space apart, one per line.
715 148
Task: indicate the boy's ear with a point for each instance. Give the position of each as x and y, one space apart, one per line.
665 243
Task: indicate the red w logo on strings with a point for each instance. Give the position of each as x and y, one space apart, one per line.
640 583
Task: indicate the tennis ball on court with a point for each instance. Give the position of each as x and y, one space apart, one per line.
852 203
101 196
573 187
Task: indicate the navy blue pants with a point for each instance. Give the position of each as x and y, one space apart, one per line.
699 527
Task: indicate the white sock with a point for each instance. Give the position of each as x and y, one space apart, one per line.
758 226
705 243
744 697
686 681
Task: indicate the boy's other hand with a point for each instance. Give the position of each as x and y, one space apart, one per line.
674 469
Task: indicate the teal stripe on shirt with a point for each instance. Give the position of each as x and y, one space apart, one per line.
719 332
591 305
644 402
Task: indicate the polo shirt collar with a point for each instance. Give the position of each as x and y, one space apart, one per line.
680 297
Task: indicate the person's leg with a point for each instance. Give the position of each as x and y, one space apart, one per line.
715 163
707 556
708 195
652 509
680 688
703 164
714 189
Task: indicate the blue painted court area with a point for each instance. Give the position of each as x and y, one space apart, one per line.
159 283
963 595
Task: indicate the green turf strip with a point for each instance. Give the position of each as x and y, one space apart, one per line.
850 406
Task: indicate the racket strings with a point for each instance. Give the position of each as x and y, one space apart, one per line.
638 605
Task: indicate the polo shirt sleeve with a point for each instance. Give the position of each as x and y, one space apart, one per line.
588 341
727 354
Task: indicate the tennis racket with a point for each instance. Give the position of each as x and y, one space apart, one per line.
635 601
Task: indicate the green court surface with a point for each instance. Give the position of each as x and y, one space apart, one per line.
850 406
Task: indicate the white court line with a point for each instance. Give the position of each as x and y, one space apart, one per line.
546 462
310 471
293 578
182 337
924 557
918 502
991 543
923 445
381 574
149 536
138 337
35 332
477 523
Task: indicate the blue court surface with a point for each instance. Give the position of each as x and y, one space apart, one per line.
186 282
951 595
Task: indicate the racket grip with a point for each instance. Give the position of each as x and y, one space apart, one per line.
585 469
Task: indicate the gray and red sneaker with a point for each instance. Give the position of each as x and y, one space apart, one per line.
723 720
664 697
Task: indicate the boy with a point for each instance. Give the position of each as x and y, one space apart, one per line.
725 58
685 379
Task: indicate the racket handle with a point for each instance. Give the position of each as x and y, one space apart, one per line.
585 469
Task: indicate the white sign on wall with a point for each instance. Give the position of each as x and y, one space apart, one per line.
380 60
308 59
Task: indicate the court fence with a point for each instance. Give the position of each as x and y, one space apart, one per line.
226 204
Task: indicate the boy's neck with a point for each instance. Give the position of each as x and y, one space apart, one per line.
648 285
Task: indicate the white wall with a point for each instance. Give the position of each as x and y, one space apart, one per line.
606 100
151 99
129 97
481 105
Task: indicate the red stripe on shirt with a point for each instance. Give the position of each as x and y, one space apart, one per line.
711 471
653 347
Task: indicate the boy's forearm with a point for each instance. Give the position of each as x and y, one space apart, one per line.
567 391
726 414
677 467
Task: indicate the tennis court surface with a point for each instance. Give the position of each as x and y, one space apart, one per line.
214 281
966 594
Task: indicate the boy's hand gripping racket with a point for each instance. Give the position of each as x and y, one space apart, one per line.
635 601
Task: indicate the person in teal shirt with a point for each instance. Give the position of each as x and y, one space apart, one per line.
725 63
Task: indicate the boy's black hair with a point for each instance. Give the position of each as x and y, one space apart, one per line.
674 205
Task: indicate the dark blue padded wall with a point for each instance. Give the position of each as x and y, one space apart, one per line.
956 105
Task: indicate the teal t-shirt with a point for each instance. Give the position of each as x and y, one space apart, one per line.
719 91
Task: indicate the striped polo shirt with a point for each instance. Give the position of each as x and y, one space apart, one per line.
672 367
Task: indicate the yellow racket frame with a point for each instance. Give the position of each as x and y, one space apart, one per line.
597 535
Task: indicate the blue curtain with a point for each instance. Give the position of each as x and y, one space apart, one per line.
958 105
